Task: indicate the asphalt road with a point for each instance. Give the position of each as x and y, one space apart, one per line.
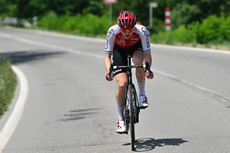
71 107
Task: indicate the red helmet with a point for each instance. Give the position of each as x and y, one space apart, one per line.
126 20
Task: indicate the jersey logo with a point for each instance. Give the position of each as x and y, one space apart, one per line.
121 42
121 37
146 33
134 38
107 38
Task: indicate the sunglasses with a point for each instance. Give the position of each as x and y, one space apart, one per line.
124 30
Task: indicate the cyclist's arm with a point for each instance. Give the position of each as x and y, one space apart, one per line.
148 58
107 60
109 47
144 35
147 48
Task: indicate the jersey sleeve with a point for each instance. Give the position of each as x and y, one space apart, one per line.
145 39
109 41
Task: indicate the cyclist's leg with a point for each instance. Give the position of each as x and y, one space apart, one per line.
138 59
121 79
119 58
121 85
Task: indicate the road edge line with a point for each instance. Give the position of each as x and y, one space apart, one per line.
9 127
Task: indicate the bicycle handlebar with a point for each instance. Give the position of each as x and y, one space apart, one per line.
145 66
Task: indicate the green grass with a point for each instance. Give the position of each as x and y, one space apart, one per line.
8 84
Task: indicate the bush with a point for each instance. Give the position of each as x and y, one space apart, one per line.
8 84
158 25
211 29
158 38
183 14
226 28
183 35
86 23
179 35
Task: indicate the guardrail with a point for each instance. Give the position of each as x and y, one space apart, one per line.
14 21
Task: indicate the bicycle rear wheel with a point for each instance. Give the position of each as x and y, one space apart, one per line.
131 119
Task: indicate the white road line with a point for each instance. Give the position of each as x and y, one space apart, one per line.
48 45
193 85
14 118
61 35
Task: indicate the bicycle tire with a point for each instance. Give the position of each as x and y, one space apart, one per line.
136 106
131 114
126 110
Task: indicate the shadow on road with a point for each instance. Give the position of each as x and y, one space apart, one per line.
79 114
147 144
18 57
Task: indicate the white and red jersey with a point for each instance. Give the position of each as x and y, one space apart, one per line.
114 36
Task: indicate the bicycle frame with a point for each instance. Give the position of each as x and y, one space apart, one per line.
130 104
131 111
129 71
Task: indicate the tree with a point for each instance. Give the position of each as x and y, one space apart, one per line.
184 14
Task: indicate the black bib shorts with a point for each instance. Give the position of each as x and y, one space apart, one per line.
120 55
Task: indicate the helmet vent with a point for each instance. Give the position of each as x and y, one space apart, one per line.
126 19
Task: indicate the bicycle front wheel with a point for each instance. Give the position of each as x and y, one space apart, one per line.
131 114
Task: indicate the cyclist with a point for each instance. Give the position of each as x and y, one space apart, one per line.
127 37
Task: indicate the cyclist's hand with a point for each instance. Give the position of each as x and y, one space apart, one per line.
149 76
109 79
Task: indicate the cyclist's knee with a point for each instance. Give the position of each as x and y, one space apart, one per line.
138 62
122 86
138 58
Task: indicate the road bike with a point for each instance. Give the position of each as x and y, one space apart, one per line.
132 109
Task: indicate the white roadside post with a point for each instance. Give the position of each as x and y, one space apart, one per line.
150 27
151 5
110 2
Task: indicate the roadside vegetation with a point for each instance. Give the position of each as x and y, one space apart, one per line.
194 23
81 24
8 84
213 32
